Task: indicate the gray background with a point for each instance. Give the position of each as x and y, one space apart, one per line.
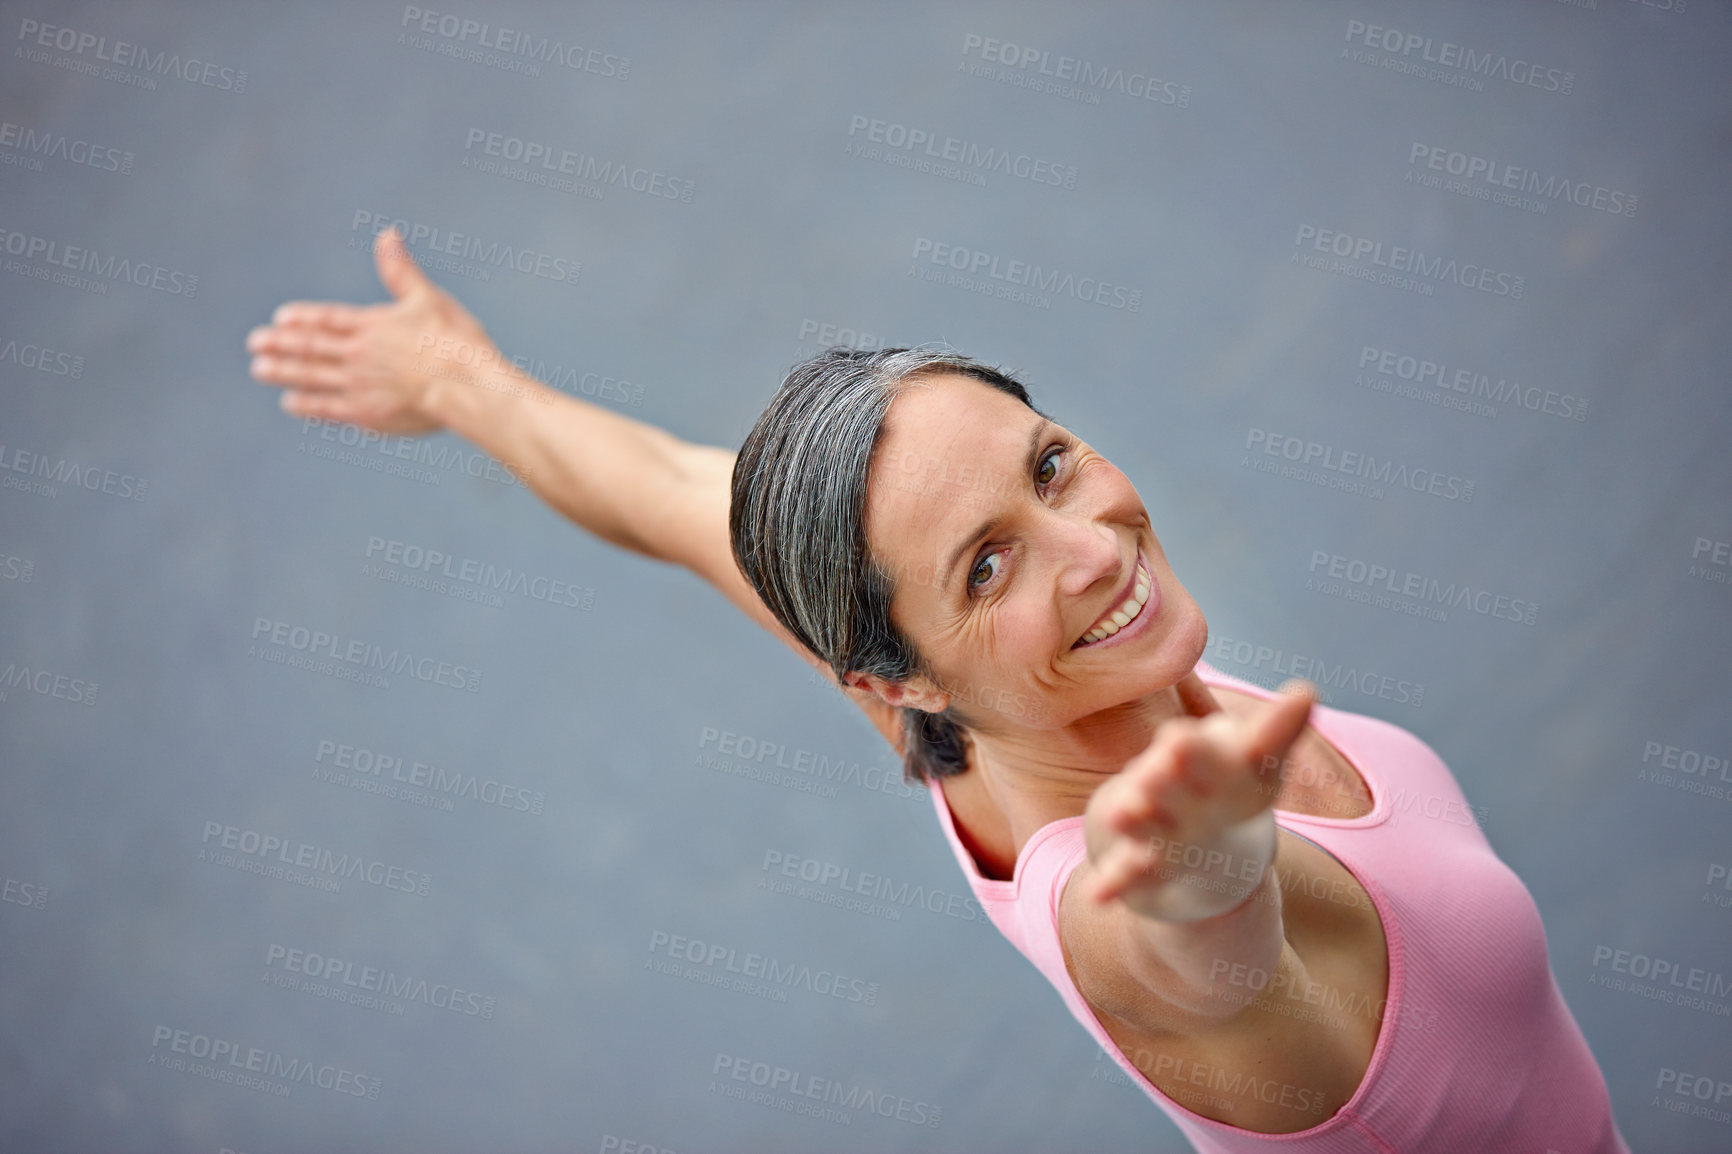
115 929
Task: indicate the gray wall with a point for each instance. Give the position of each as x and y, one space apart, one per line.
158 507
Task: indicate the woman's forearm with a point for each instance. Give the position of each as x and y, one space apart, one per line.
619 478
1199 964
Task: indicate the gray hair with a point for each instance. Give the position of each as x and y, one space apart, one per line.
797 523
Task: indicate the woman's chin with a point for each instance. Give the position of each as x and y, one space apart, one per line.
1156 661
1175 651
1175 640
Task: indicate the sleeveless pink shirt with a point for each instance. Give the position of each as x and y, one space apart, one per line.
1476 1051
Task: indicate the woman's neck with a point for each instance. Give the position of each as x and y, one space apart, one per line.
1024 779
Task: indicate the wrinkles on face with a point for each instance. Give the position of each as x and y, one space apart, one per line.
956 452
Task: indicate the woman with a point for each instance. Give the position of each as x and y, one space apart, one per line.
1233 900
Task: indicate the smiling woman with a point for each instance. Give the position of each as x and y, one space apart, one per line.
1219 881
796 520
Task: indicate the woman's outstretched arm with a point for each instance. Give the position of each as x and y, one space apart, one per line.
422 363
1203 774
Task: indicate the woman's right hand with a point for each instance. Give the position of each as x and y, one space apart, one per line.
377 366
1202 774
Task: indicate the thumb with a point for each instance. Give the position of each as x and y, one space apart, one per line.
1281 722
1196 697
397 269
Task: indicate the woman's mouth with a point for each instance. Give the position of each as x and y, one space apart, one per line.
1129 613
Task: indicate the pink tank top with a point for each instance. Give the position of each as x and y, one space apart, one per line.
1476 1050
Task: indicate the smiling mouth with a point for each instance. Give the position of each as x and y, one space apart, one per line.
1122 614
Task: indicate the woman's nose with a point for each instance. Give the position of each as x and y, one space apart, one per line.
1088 551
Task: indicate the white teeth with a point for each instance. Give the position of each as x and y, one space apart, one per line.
1124 614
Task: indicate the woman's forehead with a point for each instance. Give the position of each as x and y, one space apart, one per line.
954 413
953 451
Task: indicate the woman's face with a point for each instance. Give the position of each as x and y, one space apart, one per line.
1010 541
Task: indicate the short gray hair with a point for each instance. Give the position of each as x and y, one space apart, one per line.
797 522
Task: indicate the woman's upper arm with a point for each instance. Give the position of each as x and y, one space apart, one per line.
695 534
1163 977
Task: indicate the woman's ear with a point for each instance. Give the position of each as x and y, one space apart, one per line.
915 693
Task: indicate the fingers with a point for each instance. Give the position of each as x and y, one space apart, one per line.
1181 803
333 316
1194 763
306 356
1159 788
1200 772
397 269
1196 698
1279 723
325 406
304 344
1119 868
321 376
300 342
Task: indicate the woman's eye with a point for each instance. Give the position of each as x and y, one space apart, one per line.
983 571
1047 470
